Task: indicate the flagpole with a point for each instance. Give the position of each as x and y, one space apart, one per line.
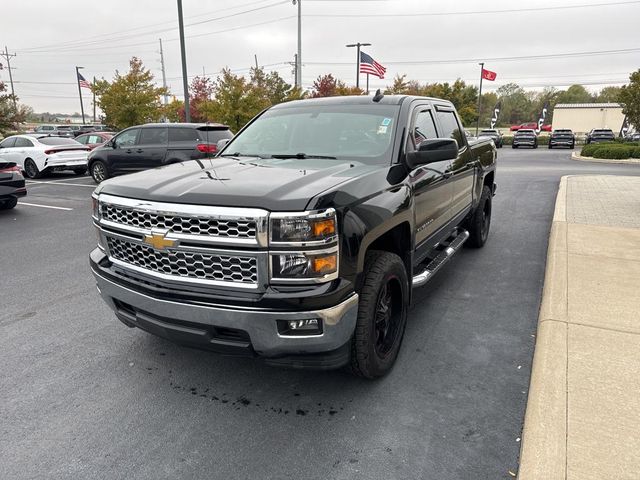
358 45
479 98
80 92
94 99
367 84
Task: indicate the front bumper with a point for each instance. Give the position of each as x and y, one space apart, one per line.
253 330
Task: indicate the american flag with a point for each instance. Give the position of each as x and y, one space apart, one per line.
83 83
369 65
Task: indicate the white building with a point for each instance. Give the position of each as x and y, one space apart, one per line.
582 117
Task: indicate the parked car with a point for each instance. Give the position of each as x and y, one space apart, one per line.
12 184
40 154
494 135
153 145
64 131
597 135
302 241
49 129
94 139
632 137
562 137
525 138
530 126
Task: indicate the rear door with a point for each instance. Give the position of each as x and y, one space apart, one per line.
151 148
462 168
7 150
433 189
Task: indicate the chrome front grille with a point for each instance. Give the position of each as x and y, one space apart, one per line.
185 244
201 266
191 225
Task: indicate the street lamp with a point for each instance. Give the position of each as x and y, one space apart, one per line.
185 80
299 56
358 45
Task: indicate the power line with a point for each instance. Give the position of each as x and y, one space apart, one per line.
497 59
476 12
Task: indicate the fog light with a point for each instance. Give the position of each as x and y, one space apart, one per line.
309 326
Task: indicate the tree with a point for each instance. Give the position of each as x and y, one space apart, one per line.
575 94
130 99
324 86
399 86
516 106
11 117
609 95
630 97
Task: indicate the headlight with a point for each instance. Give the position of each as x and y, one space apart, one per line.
305 228
289 267
96 206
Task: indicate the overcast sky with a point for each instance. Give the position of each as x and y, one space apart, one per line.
51 38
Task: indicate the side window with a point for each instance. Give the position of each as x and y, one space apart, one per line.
153 136
450 127
95 139
183 135
8 143
423 128
83 139
127 138
23 143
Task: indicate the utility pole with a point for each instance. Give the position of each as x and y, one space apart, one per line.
295 71
479 98
358 45
80 91
299 55
255 57
8 58
185 80
164 73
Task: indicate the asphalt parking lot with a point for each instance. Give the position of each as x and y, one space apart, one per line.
83 396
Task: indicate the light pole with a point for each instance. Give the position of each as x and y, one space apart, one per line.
185 80
80 91
358 45
299 56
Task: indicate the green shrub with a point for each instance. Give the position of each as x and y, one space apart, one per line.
635 153
587 150
613 152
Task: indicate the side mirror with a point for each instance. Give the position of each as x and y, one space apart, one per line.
222 143
433 150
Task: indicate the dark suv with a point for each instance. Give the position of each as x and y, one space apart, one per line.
153 145
562 137
600 135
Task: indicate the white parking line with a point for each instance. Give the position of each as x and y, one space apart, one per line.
57 182
43 206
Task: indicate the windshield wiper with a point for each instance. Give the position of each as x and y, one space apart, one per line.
238 154
302 156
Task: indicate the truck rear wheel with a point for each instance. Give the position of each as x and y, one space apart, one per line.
478 224
382 315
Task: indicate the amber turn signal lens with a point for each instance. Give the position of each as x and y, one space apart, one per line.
327 264
324 228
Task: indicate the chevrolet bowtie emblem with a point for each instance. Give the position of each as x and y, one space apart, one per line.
158 240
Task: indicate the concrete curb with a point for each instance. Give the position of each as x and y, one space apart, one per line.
544 438
628 161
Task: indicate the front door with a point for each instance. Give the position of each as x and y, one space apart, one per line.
433 189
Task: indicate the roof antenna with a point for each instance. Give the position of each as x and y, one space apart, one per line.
378 96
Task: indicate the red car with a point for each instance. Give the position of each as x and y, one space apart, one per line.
531 126
94 139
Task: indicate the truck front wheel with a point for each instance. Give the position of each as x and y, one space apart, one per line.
382 315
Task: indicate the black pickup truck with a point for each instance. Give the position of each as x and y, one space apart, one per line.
302 241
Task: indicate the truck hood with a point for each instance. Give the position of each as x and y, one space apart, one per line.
272 184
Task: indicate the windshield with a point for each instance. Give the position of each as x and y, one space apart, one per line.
361 133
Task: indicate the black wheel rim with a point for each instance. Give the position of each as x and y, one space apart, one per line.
31 169
387 318
98 172
486 219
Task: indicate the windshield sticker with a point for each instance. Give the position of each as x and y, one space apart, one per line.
386 122
382 130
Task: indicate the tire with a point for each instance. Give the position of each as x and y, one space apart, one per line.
514 146
382 315
99 171
8 204
535 145
31 169
550 147
79 171
573 145
480 221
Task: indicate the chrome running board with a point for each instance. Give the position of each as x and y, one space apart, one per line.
443 257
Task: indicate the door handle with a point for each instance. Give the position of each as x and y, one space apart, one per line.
139 150
128 150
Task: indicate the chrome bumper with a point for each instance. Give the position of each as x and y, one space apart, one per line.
338 321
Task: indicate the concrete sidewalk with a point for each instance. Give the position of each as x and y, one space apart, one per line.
583 412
